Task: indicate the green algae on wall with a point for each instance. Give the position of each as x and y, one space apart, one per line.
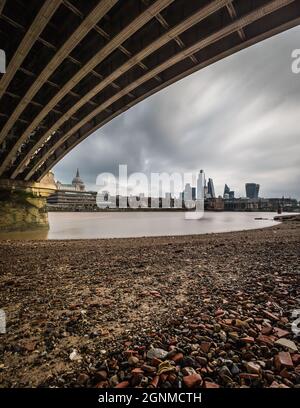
21 210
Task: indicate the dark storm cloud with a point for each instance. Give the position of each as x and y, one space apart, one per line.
237 119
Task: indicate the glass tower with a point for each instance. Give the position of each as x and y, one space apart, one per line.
252 190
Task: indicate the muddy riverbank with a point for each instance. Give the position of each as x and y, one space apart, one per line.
188 311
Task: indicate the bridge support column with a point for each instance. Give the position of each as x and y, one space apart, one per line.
23 205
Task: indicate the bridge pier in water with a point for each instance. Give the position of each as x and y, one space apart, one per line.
23 205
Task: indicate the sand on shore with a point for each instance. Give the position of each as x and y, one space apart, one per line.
87 312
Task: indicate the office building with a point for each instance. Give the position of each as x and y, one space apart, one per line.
252 190
226 191
200 185
210 189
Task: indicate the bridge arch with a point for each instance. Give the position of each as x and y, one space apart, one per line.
111 55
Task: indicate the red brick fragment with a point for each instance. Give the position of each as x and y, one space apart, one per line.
247 339
270 315
123 384
130 352
265 340
283 359
219 312
267 330
228 322
249 376
192 380
275 384
296 358
285 374
205 346
208 384
280 332
137 371
178 357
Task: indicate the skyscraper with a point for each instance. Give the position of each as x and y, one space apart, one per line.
211 188
193 193
228 194
226 191
201 185
187 192
252 190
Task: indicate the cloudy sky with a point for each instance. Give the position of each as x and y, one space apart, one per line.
237 119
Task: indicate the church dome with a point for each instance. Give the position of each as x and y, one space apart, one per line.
77 180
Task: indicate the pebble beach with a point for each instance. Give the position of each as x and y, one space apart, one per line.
188 312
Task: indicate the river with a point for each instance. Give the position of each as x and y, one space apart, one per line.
84 225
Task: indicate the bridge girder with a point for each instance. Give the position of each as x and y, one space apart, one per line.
140 48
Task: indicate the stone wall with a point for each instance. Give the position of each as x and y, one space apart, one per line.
20 210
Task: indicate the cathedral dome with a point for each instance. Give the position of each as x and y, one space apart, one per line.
77 182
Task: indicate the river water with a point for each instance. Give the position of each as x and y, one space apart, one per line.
80 225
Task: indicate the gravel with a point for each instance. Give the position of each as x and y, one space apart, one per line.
194 311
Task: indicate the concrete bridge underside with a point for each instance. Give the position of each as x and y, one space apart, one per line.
74 65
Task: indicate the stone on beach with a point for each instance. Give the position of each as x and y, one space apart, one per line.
283 358
157 353
289 344
253 368
192 381
173 312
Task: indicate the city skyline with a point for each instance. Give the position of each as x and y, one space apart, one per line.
190 189
238 119
196 194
